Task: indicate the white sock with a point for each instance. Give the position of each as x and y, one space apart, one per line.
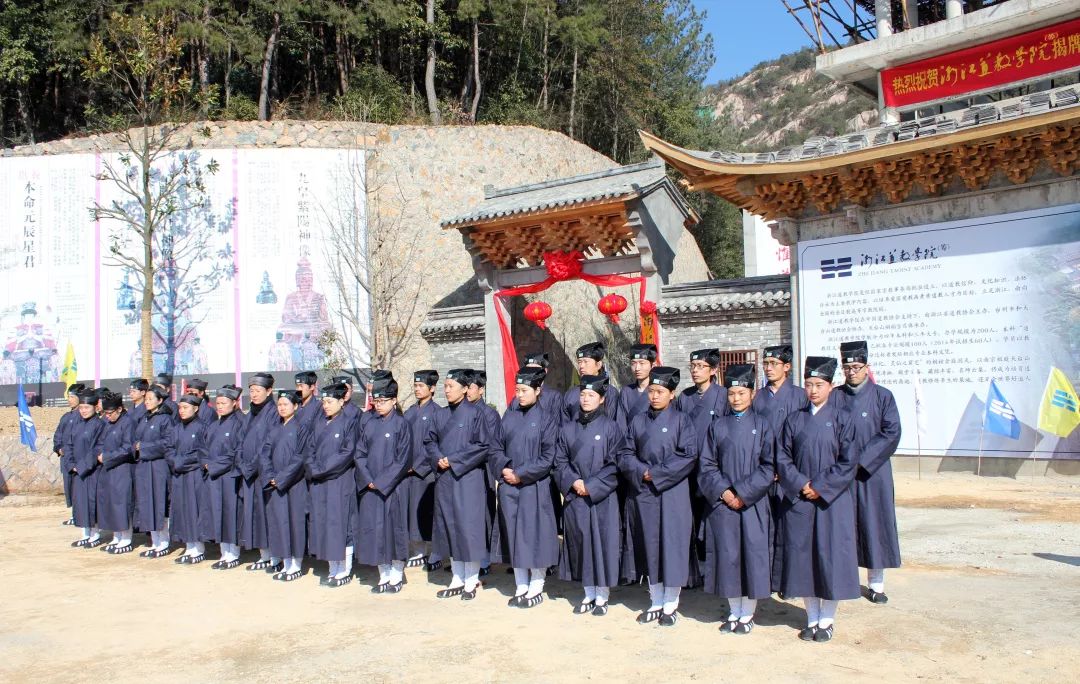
875 579
275 561
813 611
671 599
189 549
264 555
163 540
457 574
602 594
828 613
536 582
292 565
334 569
472 575
348 560
397 572
384 573
200 548
521 579
230 552
155 540
95 534
734 608
86 533
129 534
590 594
746 613
656 596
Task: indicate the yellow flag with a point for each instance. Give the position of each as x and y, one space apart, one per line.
70 374
1059 412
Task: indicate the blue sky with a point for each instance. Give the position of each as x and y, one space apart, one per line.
746 32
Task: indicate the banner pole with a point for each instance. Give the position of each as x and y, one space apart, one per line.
978 471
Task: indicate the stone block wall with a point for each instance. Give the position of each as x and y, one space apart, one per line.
455 336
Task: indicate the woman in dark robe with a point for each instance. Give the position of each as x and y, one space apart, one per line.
383 458
656 461
329 464
116 487
85 438
525 535
816 464
188 481
260 419
220 516
282 471
62 440
587 472
155 438
421 479
735 472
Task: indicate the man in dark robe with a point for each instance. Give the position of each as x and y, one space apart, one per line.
85 440
735 472
155 439
660 453
220 515
816 462
475 394
311 408
281 474
420 483
207 412
187 487
458 445
61 442
137 393
777 400
872 411
116 496
350 409
590 361
550 397
261 417
634 398
165 382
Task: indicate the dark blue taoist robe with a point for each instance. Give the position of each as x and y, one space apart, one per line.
420 483
220 515
188 483
155 434
86 439
330 466
252 498
62 448
281 459
383 457
116 485
572 403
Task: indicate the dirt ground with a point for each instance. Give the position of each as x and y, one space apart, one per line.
990 589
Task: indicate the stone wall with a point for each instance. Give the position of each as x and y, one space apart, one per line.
24 471
455 336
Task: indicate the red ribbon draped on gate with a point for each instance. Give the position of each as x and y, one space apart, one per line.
560 266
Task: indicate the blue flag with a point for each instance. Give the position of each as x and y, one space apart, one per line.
27 431
1000 417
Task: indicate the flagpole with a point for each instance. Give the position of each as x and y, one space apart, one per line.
978 471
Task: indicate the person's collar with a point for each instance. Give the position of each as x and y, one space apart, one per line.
855 389
779 386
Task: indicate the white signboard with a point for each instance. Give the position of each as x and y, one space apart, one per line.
249 279
951 307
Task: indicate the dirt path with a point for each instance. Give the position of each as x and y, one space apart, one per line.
990 592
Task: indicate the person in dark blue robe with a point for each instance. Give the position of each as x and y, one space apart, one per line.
778 399
634 398
657 459
116 487
458 445
873 414
383 458
155 439
474 393
816 462
207 412
590 361
705 401
587 471
350 410
220 516
281 474
525 535
62 439
329 463
187 484
419 486
551 399
735 471
85 438
165 382
311 410
137 394
261 417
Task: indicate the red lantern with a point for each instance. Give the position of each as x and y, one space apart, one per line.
537 312
611 306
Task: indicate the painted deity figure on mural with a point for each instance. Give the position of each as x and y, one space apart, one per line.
305 311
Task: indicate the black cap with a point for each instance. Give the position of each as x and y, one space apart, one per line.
101 392
384 389
381 374
428 377
531 376
665 376
643 351
739 375
163 379
190 399
780 351
596 383
542 359
478 377
140 384
342 380
336 391
111 401
709 356
460 375
307 378
854 352
88 396
291 395
196 383
264 380
160 392
76 388
592 350
231 391
823 367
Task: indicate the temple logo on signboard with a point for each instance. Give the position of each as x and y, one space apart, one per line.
835 268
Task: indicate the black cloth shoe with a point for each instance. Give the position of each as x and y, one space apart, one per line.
78 544
69 521
743 627
395 588
877 597
669 619
515 601
728 626
94 544
530 602
450 592
432 567
583 607
823 634
339 581
259 565
119 550
469 595
380 588
807 633
600 610
648 616
484 572
416 562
